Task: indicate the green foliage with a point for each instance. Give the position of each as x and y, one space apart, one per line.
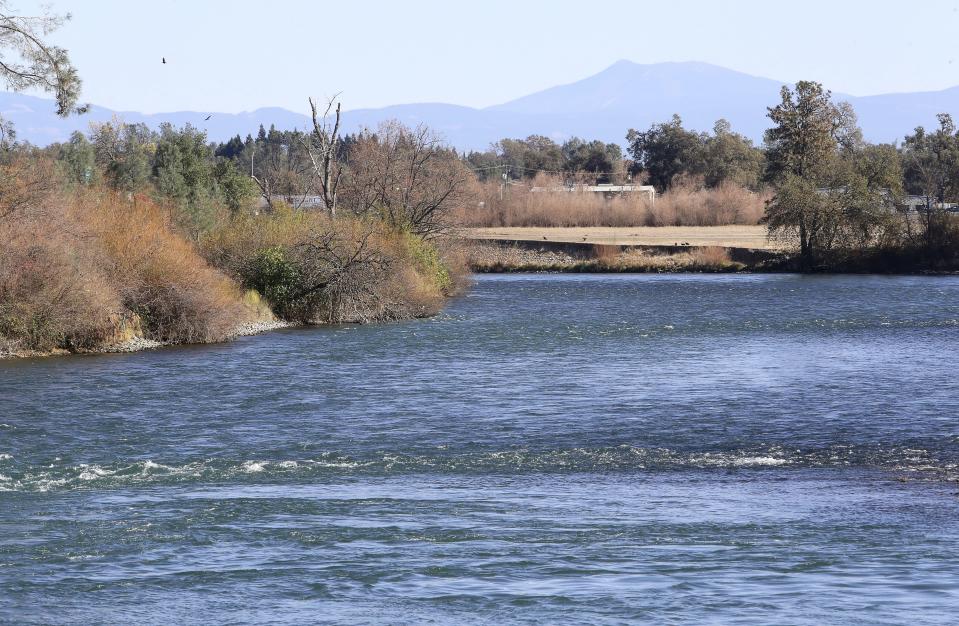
183 173
667 150
78 160
932 161
731 157
237 190
804 138
34 63
426 258
124 152
278 279
603 160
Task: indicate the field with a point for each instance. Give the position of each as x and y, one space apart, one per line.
725 236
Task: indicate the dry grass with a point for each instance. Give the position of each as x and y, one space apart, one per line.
685 205
159 274
723 236
80 271
491 257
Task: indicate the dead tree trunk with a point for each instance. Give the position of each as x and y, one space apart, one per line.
322 149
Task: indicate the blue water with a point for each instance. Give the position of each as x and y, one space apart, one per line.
600 449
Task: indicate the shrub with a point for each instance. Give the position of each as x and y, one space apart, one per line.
313 268
158 273
53 292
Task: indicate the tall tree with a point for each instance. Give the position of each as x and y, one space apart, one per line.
822 199
408 177
667 150
932 161
79 159
731 157
806 132
27 61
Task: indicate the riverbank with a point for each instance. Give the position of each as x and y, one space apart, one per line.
737 236
504 256
139 344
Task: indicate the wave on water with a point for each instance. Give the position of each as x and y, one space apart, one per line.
15 476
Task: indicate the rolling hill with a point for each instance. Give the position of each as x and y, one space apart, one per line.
603 106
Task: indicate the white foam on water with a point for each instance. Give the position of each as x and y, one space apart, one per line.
5 457
252 467
751 461
92 472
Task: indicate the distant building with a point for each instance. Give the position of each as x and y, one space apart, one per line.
607 189
904 204
295 201
922 204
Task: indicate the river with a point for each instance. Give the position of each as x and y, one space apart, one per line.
552 448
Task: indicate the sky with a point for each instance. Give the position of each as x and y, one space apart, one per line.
239 55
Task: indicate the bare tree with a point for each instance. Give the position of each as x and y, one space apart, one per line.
322 148
26 185
408 177
35 63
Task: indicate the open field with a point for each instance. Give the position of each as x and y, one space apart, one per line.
725 236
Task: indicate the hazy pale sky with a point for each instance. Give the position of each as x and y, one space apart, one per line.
237 55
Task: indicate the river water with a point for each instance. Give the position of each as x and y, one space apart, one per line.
552 448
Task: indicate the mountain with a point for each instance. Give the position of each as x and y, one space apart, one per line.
603 106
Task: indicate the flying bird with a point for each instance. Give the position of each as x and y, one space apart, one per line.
207 117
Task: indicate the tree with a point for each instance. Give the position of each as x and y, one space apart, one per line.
932 170
183 173
731 157
281 166
78 159
237 190
603 161
322 146
830 191
124 152
666 151
806 132
35 64
232 149
932 161
881 166
406 176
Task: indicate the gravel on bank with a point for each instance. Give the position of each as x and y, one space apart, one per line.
138 344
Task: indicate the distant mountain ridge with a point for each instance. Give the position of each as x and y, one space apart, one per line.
603 106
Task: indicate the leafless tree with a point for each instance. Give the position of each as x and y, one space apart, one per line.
342 269
407 176
25 186
322 148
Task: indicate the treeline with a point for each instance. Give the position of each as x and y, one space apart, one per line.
162 235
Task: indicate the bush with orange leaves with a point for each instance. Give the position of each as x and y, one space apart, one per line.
74 269
157 273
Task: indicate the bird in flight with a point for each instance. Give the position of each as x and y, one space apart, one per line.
207 117
164 60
